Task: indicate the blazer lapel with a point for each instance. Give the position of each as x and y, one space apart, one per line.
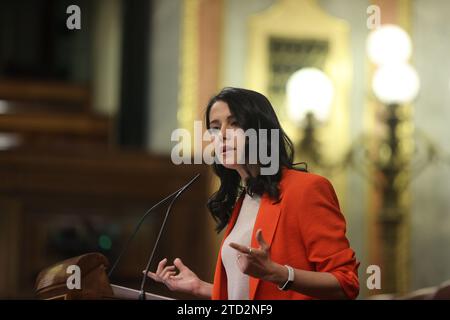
267 221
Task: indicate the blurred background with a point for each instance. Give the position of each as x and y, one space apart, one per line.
361 86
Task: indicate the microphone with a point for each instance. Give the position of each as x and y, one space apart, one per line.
147 269
146 214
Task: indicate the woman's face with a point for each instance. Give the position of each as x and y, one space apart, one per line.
229 138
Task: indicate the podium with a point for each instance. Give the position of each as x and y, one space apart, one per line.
52 282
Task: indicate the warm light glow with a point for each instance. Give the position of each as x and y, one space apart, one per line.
4 107
388 44
396 83
309 90
8 141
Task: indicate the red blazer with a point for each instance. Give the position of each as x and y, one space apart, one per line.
305 229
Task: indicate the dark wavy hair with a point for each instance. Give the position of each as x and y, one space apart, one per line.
251 110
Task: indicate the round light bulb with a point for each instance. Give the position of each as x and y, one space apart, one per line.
396 83
309 90
389 44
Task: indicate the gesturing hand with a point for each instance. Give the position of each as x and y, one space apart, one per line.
185 281
256 262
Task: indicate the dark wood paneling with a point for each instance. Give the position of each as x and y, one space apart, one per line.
53 197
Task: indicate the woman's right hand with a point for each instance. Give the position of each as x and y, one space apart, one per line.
185 281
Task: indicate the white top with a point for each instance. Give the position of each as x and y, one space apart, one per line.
237 281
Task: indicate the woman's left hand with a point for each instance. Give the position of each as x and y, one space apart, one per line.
256 262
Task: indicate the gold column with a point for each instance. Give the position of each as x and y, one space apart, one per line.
188 64
199 79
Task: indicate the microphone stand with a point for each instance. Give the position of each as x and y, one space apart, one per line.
147 269
136 229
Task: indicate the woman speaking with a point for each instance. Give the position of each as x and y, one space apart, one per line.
285 233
